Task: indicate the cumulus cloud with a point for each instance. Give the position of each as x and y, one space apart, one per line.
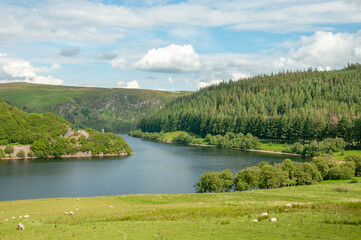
70 52
119 63
206 84
21 70
237 76
173 58
131 84
322 49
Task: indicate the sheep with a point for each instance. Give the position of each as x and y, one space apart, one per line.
29 202
78 199
254 220
20 216
71 213
288 205
21 226
76 209
66 213
111 206
6 220
26 216
264 214
273 220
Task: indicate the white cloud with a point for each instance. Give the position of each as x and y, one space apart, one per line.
237 76
206 84
323 49
20 70
131 84
170 80
55 66
119 63
173 58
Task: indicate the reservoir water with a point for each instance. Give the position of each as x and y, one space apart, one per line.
154 168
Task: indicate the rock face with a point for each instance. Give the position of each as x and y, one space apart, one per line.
83 133
69 133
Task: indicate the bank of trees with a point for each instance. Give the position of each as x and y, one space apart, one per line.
287 173
44 132
290 106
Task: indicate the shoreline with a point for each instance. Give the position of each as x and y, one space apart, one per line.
242 149
72 156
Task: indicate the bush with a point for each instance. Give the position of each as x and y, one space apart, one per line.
30 154
21 154
2 154
340 172
354 180
357 160
9 149
215 182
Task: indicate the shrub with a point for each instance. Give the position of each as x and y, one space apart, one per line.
9 149
30 154
20 154
357 160
215 182
2 154
354 180
340 172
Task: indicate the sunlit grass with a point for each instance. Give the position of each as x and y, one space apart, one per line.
318 212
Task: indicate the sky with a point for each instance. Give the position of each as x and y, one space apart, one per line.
172 45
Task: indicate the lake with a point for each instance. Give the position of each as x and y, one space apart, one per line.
154 168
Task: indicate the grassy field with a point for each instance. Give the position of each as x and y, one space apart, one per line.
318 211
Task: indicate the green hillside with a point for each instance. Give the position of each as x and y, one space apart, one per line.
289 106
115 110
44 135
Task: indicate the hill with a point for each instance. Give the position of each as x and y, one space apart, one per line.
290 106
44 135
327 210
114 110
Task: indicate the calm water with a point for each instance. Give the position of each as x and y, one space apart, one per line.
155 168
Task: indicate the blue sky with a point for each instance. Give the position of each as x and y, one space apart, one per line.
172 45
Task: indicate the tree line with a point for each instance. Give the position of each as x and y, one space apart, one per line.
290 106
287 173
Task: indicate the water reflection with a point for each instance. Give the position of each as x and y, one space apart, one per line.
154 168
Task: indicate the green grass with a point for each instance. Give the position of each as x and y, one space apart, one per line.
275 147
341 156
318 212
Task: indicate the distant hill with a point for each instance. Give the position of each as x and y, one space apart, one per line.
44 135
114 110
290 106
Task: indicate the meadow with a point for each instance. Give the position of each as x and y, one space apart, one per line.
326 210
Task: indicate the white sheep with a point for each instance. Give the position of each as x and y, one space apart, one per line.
288 205
21 226
263 215
26 216
6 220
254 220
273 220
111 206
66 213
76 209
71 213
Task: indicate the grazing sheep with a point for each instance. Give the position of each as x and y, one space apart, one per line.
1 212
111 206
78 199
13 217
288 205
21 226
26 216
66 213
76 209
71 213
6 220
254 220
29 202
273 220
263 215
20 216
